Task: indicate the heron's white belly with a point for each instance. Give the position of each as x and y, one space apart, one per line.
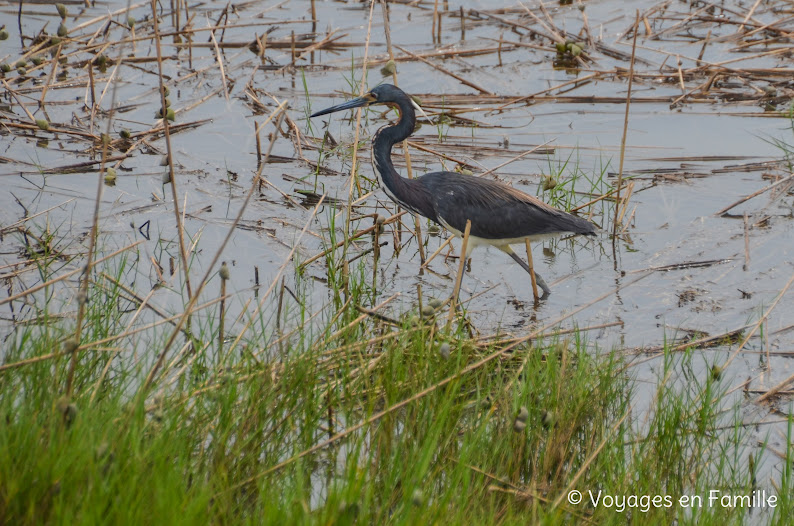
475 241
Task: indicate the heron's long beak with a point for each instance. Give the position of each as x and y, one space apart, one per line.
349 105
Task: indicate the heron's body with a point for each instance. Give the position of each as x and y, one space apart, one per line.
500 215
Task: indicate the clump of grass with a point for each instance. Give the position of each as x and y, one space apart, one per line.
355 419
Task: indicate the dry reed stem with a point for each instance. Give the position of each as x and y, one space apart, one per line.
532 277
359 111
222 316
437 252
446 71
461 270
219 58
553 88
625 126
169 152
513 159
754 194
774 390
51 76
749 16
16 97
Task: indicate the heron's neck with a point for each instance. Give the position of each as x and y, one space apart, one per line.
407 193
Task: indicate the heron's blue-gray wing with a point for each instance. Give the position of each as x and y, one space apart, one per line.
496 210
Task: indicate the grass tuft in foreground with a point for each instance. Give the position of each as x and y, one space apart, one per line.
352 419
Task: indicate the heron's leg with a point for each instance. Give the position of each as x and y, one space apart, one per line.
541 283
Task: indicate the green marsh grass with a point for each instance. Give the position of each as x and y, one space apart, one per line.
240 440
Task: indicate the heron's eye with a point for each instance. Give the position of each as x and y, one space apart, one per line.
373 95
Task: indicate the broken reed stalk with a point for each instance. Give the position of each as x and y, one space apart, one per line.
375 254
224 275
258 146
437 252
169 152
435 31
447 72
746 265
461 268
21 105
625 126
754 194
51 76
532 271
517 157
219 58
406 152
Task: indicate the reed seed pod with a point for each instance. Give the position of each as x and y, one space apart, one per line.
110 176
548 419
417 498
388 69
224 271
70 345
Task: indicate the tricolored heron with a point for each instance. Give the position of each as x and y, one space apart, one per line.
500 215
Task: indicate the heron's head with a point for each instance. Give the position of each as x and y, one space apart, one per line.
383 94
